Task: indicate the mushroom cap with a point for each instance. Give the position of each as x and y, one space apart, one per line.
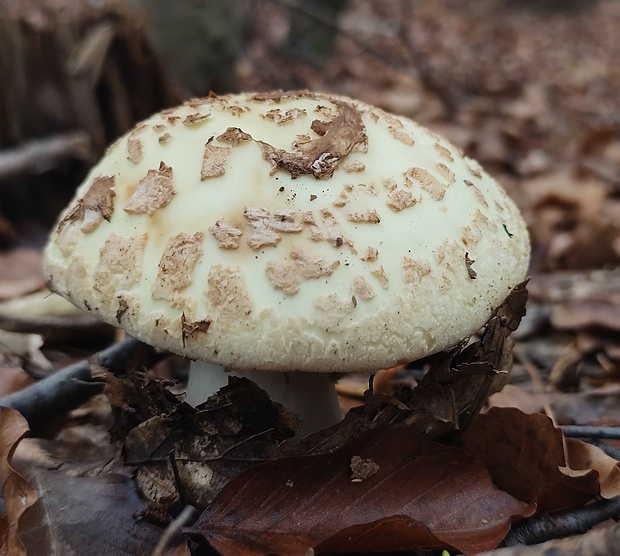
289 231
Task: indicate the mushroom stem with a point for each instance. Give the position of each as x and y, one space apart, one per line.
311 396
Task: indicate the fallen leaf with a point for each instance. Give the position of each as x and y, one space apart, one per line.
18 494
190 454
85 515
23 349
49 315
422 495
135 398
526 456
21 272
13 379
583 457
458 383
583 314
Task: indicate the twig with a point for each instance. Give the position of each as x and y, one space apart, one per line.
177 478
578 431
598 542
573 522
175 527
39 155
68 388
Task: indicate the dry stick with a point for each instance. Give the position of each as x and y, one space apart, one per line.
578 431
175 527
574 522
68 388
598 542
39 155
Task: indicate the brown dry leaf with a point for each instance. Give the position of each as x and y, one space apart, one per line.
51 316
592 313
525 455
458 384
17 492
52 510
190 454
21 272
135 398
516 396
421 495
592 406
582 457
85 515
596 406
23 350
13 379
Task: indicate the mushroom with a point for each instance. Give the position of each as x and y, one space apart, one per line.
288 237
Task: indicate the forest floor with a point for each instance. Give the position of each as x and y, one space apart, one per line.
531 92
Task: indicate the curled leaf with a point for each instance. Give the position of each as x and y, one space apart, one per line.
17 492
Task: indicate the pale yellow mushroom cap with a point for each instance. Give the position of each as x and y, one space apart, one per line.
289 231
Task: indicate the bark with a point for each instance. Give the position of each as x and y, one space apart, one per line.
75 66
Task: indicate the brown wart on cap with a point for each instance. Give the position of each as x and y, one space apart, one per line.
195 119
96 205
227 236
192 235
135 145
433 186
281 117
176 267
267 228
234 136
154 191
189 328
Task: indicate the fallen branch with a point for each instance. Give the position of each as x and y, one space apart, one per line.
599 542
173 529
578 431
573 522
39 155
70 387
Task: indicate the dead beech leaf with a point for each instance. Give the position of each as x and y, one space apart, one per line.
580 314
23 350
526 457
190 454
85 515
422 495
21 272
458 383
583 457
13 379
18 494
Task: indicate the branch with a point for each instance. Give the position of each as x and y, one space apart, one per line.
573 522
579 431
174 529
70 387
39 155
599 542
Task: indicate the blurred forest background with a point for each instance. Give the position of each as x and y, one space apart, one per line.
528 88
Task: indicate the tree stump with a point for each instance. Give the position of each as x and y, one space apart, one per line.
74 74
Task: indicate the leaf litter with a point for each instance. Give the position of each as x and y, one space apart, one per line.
544 129
54 507
370 483
423 495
